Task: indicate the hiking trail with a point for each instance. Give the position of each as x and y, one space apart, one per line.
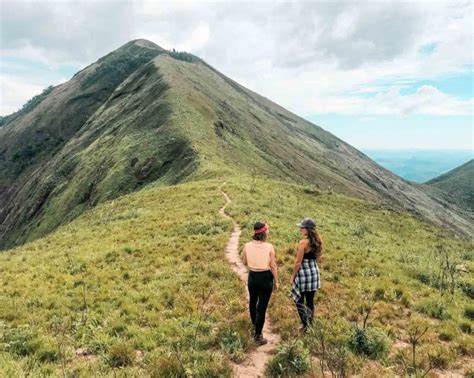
254 363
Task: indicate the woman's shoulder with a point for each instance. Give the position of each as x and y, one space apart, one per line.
303 242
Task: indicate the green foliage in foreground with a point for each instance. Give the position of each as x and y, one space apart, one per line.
140 286
291 359
135 281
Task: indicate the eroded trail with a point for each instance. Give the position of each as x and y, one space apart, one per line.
254 364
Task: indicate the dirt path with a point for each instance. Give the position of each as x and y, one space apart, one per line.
254 364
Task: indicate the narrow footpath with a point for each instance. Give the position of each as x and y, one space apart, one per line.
254 363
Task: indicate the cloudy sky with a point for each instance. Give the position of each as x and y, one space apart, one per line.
377 74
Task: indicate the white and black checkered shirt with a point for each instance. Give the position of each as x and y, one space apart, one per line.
307 279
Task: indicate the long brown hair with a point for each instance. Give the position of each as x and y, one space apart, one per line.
315 242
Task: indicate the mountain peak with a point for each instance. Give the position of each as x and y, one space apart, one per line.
141 42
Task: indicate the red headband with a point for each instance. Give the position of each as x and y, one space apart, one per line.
262 229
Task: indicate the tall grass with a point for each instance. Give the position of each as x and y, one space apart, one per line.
140 286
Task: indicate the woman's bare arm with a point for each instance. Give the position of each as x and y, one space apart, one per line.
299 258
274 267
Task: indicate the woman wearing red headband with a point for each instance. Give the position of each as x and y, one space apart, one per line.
259 256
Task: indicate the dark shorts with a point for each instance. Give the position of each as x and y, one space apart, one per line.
261 280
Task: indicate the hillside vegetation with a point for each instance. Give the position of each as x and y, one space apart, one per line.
140 285
142 114
457 185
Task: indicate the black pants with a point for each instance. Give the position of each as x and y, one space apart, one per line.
260 286
306 311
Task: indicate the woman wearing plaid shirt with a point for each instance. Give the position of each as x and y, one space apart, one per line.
305 278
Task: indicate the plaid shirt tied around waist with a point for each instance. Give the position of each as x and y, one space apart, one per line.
307 279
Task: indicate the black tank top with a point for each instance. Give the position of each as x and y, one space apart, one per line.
310 255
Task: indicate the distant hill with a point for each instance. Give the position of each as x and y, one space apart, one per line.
419 165
142 114
457 185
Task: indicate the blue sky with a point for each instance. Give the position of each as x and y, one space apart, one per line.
377 74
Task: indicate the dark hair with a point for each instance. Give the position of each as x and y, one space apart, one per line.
261 236
315 242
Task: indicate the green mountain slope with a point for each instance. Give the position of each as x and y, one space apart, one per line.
457 185
233 128
142 114
140 286
85 143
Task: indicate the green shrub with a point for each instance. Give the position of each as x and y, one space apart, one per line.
437 356
448 332
291 359
468 289
100 343
465 327
372 342
433 309
469 312
121 354
21 342
329 340
184 56
423 277
209 365
398 293
117 327
165 366
379 293
47 353
232 343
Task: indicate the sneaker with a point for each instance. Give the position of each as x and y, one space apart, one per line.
260 340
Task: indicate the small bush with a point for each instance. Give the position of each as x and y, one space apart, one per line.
433 309
465 327
232 343
121 355
448 333
469 312
165 366
21 342
436 356
117 327
48 353
468 289
372 342
423 277
405 300
291 359
184 56
464 345
360 229
379 293
398 293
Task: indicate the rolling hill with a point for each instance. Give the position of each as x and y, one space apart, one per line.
457 185
140 286
142 114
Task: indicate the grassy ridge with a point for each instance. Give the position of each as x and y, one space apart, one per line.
372 255
144 274
140 285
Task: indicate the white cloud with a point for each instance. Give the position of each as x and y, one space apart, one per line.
308 56
14 92
426 100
